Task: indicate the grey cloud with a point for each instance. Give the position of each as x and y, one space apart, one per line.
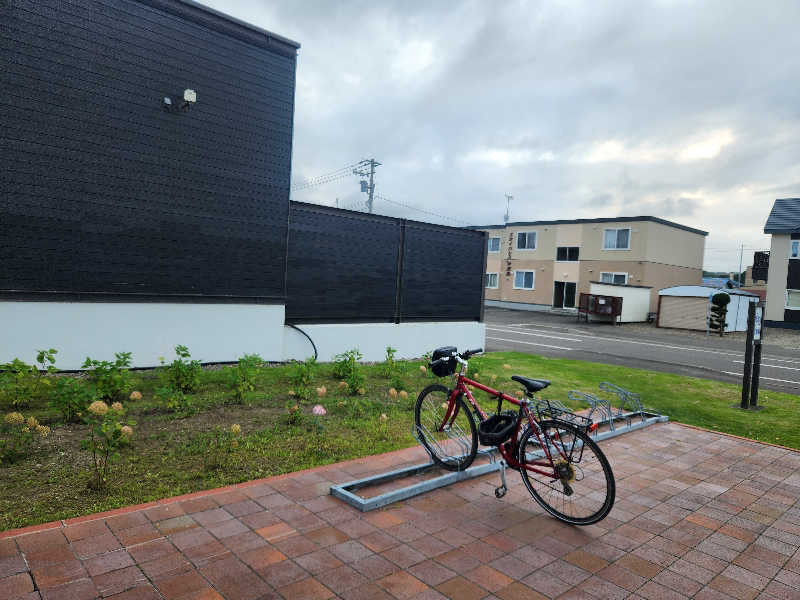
559 78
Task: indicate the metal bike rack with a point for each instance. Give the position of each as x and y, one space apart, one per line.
345 491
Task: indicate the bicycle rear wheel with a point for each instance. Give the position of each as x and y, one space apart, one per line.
584 491
454 446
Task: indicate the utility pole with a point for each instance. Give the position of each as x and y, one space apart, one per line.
369 188
739 275
507 216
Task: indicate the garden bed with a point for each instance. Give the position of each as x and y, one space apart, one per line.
170 454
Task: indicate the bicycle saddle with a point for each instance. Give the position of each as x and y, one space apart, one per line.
532 385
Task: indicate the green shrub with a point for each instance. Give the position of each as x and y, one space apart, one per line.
175 401
242 376
110 380
18 435
71 397
107 435
183 374
20 383
219 446
389 365
301 377
347 368
719 310
397 382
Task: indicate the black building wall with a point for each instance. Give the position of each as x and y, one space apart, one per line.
347 266
104 194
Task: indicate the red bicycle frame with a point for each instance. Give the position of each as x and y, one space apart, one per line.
505 451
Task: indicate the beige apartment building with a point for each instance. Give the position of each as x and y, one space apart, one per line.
540 264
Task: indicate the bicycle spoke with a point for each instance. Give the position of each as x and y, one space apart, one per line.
582 489
455 444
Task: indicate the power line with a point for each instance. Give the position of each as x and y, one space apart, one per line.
324 178
427 212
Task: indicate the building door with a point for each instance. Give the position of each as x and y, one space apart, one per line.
564 294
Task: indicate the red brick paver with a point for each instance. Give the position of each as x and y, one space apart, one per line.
697 515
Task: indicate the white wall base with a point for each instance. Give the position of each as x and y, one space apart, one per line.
410 339
213 333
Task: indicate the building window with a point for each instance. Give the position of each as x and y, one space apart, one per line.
617 239
491 281
795 252
793 299
567 253
494 244
524 280
620 278
526 240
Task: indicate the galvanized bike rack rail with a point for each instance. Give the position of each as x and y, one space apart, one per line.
345 491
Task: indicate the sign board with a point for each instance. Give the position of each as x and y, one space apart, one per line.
757 326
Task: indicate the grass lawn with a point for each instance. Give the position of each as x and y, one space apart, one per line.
169 454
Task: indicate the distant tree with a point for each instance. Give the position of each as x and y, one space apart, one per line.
719 310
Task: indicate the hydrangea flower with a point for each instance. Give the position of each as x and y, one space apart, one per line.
319 410
43 430
135 395
117 406
14 418
98 408
127 431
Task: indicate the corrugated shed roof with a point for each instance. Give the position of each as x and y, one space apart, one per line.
699 291
784 217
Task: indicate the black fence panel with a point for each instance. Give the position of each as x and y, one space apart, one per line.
103 192
342 265
346 266
443 271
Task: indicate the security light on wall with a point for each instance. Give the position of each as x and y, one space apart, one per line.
189 98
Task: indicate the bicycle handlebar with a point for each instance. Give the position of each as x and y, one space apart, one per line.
466 355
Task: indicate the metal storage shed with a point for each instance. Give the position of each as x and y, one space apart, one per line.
635 299
686 307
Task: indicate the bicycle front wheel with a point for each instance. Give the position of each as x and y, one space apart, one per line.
583 491
452 444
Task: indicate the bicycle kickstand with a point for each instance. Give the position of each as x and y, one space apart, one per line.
501 491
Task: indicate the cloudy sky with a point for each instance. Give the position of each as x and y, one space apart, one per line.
688 111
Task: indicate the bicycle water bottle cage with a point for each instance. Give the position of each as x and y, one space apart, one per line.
440 367
496 429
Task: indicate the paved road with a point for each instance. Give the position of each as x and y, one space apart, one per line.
711 358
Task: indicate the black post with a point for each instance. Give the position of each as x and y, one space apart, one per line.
748 355
758 334
756 373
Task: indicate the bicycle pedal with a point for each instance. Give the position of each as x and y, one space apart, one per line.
500 491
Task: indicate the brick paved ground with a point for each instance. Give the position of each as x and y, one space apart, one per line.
698 515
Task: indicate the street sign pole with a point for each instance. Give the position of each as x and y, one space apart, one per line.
757 335
748 355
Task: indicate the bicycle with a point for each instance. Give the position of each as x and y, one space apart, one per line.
562 467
